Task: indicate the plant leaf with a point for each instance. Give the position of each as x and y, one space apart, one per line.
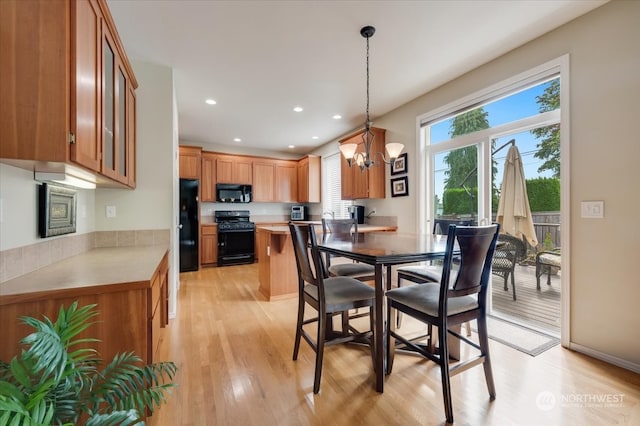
120 418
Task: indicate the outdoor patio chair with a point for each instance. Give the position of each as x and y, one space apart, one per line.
509 251
545 262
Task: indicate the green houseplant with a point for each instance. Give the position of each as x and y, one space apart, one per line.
57 379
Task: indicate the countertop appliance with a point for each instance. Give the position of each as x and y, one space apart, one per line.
236 237
232 193
356 212
299 213
188 225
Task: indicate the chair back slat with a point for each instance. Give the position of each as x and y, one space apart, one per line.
476 245
310 265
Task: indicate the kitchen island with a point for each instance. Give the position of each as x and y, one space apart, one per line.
128 284
277 271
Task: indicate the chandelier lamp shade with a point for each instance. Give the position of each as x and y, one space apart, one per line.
366 159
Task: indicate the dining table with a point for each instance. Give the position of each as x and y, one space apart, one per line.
384 250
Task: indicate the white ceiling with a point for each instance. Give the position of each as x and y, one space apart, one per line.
259 59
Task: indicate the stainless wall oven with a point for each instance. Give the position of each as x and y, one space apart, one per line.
236 237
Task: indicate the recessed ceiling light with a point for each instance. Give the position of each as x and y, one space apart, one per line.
314 137
298 109
237 140
291 146
211 102
337 117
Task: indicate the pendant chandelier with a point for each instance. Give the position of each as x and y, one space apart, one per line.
365 159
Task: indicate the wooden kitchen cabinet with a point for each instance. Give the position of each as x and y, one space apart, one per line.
209 245
208 177
264 176
286 181
67 89
189 158
115 87
368 183
309 178
129 286
234 169
275 181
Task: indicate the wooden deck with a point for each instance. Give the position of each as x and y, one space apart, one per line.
539 309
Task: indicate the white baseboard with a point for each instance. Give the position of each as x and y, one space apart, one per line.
627 365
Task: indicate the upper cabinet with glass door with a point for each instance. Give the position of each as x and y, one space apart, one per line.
117 149
81 113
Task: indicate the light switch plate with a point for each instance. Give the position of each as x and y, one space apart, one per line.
111 211
592 209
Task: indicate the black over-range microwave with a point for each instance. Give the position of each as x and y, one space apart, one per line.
232 193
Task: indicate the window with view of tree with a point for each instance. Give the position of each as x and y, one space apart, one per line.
456 189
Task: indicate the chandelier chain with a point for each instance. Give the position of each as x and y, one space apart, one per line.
367 119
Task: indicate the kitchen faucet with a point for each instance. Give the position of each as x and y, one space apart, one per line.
331 213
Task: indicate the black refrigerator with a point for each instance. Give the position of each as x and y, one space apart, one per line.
188 225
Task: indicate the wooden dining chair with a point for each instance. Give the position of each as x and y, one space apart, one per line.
452 301
421 274
345 229
329 296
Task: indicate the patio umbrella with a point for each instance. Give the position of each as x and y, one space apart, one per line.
514 213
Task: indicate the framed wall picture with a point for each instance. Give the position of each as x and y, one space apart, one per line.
400 187
57 210
400 165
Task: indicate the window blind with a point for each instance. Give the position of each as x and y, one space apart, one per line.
331 197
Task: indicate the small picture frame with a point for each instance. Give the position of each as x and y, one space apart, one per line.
399 166
400 187
57 210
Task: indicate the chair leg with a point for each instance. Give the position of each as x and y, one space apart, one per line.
444 372
506 281
296 345
391 341
345 322
372 340
513 285
468 325
398 313
549 275
538 273
483 339
322 323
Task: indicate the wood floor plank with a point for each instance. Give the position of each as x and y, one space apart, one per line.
233 350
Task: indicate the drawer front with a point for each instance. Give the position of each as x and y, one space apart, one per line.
209 230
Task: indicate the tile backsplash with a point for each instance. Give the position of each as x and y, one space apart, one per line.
22 260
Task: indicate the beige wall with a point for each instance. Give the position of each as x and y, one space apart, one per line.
19 209
604 154
149 206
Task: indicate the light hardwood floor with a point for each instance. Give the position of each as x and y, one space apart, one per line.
233 350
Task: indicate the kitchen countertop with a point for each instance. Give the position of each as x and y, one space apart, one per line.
100 266
283 229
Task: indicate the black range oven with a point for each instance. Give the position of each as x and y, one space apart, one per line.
236 237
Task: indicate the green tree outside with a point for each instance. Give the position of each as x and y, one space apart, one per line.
549 146
463 163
